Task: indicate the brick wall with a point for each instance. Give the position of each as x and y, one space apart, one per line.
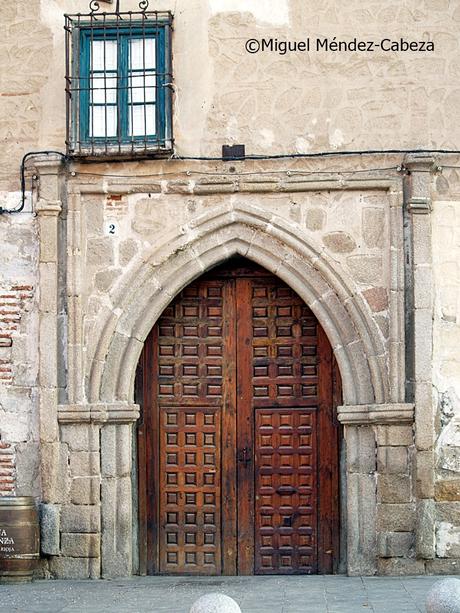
13 301
7 469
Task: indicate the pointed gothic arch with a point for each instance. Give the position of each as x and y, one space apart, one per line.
282 248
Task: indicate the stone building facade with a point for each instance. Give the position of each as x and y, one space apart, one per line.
369 241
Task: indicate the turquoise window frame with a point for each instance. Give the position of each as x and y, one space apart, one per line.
162 98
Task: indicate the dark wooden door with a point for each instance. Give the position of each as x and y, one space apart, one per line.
238 446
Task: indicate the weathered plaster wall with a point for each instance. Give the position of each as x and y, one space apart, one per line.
446 364
19 460
273 103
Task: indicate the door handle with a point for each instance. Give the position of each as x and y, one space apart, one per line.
244 456
286 489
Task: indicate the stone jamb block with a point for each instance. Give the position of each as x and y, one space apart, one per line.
394 488
361 449
85 490
424 474
392 460
54 473
394 435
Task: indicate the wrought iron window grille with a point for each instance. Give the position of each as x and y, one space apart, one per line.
119 82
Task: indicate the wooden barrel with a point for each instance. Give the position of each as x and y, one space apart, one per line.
19 538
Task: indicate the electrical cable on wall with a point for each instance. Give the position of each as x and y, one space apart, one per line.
177 158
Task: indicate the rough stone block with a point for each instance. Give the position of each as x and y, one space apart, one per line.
373 222
48 354
361 449
425 474
423 287
28 469
447 512
448 490
81 545
100 252
366 269
83 437
81 518
425 529
49 529
392 460
54 472
315 218
394 488
443 567
400 566
70 568
85 490
48 415
396 544
84 463
394 436
424 412
48 238
421 239
396 517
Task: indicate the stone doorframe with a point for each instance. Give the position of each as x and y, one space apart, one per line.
373 383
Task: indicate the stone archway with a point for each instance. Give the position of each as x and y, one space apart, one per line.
267 240
285 250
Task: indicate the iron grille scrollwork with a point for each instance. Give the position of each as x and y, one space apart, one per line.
94 6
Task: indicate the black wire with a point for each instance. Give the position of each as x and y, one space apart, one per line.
281 156
20 208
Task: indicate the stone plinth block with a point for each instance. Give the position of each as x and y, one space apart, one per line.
49 529
444 596
81 545
215 603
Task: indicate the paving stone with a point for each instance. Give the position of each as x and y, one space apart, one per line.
296 594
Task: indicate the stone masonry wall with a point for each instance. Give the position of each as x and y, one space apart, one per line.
274 104
19 460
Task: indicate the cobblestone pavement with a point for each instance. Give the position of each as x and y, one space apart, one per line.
319 594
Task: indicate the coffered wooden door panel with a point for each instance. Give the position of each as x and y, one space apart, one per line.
238 444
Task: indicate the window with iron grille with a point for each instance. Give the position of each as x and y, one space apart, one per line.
119 83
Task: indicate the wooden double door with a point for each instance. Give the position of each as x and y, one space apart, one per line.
238 444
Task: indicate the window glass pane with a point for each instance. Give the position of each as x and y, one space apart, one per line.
101 96
137 46
137 83
98 62
142 120
99 115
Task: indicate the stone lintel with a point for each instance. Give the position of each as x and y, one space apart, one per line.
116 413
365 414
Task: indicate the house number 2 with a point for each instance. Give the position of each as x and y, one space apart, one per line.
111 228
